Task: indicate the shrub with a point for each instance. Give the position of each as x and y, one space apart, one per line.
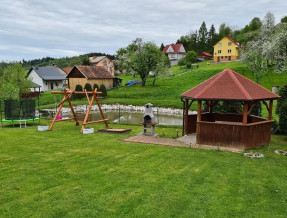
78 88
188 65
95 86
88 87
223 107
191 56
283 118
281 109
103 90
256 110
282 99
181 61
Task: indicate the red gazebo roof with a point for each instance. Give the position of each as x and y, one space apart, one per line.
229 85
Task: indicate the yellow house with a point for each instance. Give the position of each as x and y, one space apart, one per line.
226 50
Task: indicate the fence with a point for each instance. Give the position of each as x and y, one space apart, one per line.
124 114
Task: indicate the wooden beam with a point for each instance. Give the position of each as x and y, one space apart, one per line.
65 98
250 107
50 121
245 113
88 112
270 109
72 108
97 121
55 117
199 111
103 116
87 96
185 116
75 92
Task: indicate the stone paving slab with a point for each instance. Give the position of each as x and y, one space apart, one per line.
155 140
185 141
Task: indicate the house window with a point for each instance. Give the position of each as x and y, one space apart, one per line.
172 56
219 44
222 57
219 52
229 43
229 51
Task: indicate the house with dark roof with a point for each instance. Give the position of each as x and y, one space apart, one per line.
205 56
226 50
48 77
80 75
174 52
102 61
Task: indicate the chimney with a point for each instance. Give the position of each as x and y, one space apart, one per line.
94 57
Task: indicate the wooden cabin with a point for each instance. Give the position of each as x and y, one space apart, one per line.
241 130
80 75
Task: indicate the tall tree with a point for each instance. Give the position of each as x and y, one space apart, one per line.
13 82
284 19
276 48
143 58
212 38
224 30
256 64
255 24
161 47
202 38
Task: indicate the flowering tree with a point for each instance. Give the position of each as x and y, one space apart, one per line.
13 82
144 58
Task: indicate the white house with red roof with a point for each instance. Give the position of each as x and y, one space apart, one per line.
174 52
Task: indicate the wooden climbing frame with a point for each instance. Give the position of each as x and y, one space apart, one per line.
67 98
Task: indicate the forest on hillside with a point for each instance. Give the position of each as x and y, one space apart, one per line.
61 62
203 40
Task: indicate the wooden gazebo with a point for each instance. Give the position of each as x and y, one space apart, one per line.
241 130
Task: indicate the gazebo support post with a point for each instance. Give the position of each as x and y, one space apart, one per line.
199 111
186 116
270 109
210 106
245 113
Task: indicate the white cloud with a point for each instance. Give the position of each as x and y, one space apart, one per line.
34 29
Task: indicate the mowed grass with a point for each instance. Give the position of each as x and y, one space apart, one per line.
62 173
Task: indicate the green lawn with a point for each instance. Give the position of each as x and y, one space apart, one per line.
62 173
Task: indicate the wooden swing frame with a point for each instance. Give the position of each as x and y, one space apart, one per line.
67 98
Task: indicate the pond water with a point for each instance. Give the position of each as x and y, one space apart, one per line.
122 114
136 118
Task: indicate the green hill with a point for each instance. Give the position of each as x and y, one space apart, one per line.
168 89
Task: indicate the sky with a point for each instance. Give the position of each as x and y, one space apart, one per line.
32 29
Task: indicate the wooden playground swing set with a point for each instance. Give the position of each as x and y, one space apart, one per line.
67 96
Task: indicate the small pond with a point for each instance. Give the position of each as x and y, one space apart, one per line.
136 118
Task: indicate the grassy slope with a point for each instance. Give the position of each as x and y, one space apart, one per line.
168 89
63 173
